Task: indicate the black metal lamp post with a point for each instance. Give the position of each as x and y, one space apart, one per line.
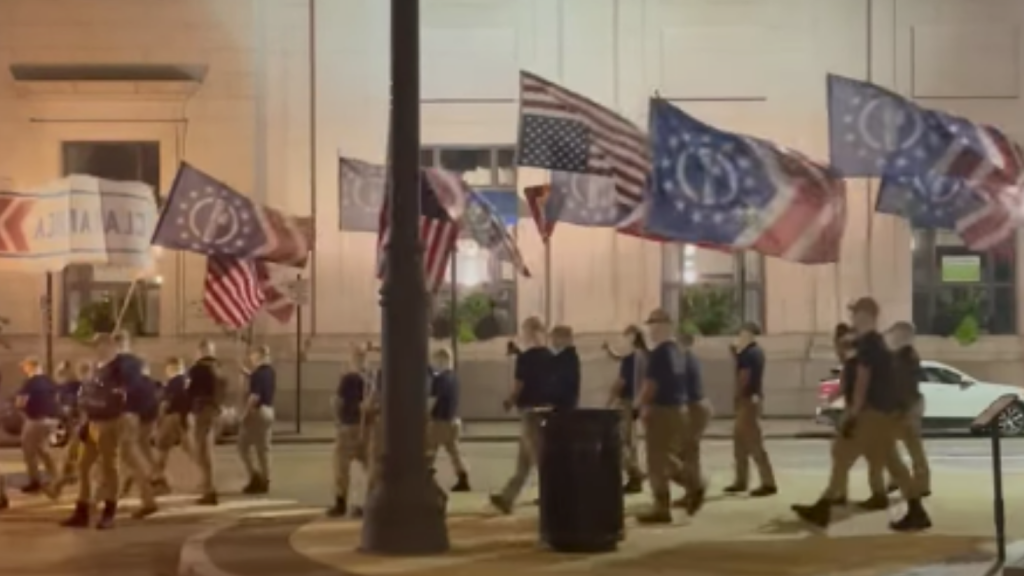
405 512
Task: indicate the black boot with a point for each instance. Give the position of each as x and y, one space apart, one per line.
462 483
79 518
875 502
107 516
764 491
4 502
161 487
33 487
659 513
735 488
695 501
819 513
257 485
254 481
208 499
634 484
915 520
339 509
838 501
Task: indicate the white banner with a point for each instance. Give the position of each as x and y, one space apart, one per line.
77 220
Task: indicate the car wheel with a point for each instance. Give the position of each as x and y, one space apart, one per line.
1011 421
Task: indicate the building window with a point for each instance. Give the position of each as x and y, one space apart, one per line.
94 295
712 292
961 292
479 300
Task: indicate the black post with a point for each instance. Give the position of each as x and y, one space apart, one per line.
48 322
298 352
997 492
405 510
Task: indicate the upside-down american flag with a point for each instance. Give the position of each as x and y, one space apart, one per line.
440 197
564 131
232 294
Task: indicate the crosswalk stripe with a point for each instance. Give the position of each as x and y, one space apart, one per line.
223 508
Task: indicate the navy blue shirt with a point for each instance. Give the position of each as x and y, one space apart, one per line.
666 367
175 395
694 386
628 375
351 392
533 369
565 368
873 354
263 384
751 359
444 389
40 397
141 398
68 395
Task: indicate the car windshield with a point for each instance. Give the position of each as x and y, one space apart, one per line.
942 375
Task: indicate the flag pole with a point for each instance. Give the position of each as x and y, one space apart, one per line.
298 354
547 282
124 307
453 310
48 327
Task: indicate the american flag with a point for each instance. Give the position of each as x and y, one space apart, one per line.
231 293
440 195
725 189
561 130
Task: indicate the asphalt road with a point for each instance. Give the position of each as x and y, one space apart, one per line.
34 545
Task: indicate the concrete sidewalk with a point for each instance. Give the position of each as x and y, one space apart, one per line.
508 431
733 536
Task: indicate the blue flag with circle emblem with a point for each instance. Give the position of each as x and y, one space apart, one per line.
584 200
873 132
716 187
931 201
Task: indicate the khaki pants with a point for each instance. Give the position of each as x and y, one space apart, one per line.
204 431
137 455
254 436
100 446
698 415
35 447
627 431
908 432
445 434
527 458
171 432
748 444
349 447
874 437
72 452
665 427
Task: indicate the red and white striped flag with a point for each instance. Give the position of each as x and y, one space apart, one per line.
439 232
232 294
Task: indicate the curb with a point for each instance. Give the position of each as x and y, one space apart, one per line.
282 439
193 559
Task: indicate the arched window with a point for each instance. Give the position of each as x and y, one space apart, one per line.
479 300
711 291
956 288
93 295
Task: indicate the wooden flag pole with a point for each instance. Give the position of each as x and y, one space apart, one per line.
124 307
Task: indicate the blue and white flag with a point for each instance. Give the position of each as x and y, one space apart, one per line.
584 200
77 220
483 223
873 132
361 188
932 202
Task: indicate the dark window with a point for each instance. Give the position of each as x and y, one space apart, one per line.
712 292
94 295
941 376
961 292
478 302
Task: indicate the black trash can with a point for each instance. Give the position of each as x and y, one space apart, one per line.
581 499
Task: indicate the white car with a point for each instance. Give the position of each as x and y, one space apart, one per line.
952 400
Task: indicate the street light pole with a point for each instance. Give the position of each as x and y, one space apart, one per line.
405 511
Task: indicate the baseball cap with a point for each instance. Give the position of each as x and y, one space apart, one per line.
751 327
865 304
659 316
